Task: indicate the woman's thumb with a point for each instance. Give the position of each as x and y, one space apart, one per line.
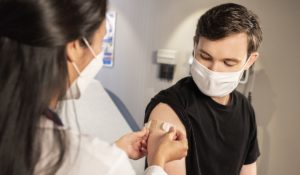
172 133
141 133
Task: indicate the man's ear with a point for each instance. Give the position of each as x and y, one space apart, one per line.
195 42
253 57
74 51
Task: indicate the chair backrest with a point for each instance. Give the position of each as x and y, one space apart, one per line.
124 111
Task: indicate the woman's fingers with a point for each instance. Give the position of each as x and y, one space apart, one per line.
180 135
172 133
144 151
141 133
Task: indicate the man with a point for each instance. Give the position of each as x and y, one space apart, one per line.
218 121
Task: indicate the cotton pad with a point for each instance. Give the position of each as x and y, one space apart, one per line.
157 124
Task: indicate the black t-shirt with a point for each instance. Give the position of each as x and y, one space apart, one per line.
221 138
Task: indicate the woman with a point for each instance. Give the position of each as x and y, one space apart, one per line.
48 51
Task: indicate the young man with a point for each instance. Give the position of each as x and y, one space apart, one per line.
218 121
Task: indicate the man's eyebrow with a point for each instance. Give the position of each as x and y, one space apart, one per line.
232 59
227 59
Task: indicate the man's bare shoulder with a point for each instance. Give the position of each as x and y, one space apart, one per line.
163 113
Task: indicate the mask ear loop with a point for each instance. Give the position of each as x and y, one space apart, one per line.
76 68
246 63
243 68
89 46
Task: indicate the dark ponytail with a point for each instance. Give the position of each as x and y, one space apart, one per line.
33 70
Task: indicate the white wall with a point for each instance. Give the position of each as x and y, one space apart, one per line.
276 95
143 26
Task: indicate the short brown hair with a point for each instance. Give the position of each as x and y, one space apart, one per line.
226 19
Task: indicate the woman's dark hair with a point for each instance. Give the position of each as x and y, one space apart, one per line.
226 19
33 70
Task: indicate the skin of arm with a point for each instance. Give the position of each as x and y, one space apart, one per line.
164 112
250 169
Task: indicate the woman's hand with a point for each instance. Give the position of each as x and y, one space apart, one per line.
170 146
134 144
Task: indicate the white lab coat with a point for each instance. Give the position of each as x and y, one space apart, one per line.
97 116
92 157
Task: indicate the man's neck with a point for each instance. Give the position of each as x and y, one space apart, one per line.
222 100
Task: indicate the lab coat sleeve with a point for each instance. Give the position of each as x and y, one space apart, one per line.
88 155
155 170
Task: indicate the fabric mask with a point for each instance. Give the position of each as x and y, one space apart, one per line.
88 74
215 84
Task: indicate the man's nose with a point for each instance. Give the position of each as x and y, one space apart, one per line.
213 66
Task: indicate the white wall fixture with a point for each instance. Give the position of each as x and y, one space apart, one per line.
167 60
109 39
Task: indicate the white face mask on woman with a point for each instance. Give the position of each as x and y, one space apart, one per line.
215 84
87 75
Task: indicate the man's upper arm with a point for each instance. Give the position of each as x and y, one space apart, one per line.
164 112
250 169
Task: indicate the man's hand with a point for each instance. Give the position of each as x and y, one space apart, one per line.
134 144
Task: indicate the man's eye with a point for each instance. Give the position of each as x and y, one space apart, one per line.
205 57
229 63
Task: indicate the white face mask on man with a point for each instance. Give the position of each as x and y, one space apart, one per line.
87 75
215 84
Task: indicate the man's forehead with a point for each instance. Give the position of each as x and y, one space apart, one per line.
229 47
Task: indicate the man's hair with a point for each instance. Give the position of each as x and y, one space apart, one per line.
226 19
